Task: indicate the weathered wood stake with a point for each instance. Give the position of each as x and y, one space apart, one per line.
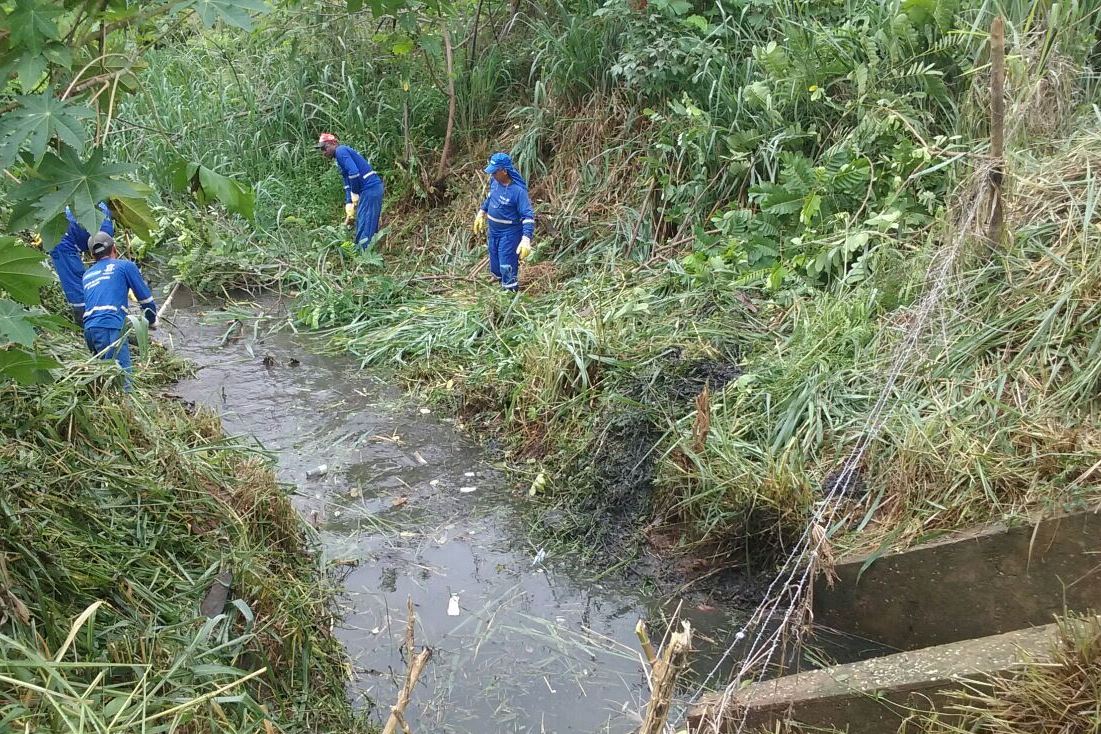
997 126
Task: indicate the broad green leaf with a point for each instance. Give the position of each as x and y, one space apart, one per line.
234 12
37 120
26 368
133 215
354 6
15 327
21 271
208 185
32 24
67 180
402 47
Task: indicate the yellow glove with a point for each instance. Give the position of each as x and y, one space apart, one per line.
524 248
349 212
480 222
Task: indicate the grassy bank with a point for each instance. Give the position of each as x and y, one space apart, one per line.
117 515
737 215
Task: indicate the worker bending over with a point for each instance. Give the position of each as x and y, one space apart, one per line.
362 188
68 263
511 220
107 286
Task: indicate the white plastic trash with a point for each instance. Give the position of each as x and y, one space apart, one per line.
317 472
453 606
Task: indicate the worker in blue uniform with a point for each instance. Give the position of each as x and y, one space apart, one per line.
107 286
511 220
363 189
68 263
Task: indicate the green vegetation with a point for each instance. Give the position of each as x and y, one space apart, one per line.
742 207
118 511
746 198
117 515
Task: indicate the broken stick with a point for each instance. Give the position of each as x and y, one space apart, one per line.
663 679
417 664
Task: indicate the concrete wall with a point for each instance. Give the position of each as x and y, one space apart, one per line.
984 583
875 696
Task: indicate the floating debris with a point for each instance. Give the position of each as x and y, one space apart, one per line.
317 472
434 483
453 606
467 490
355 492
468 474
420 459
539 557
425 411
399 501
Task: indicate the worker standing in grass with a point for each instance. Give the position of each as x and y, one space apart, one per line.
363 189
67 261
107 286
511 220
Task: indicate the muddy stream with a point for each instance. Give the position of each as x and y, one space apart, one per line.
522 641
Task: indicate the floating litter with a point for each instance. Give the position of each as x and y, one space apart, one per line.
539 557
317 472
468 474
434 483
467 490
420 459
376 630
453 606
336 513
425 411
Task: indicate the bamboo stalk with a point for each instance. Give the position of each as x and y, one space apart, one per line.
663 681
412 675
647 646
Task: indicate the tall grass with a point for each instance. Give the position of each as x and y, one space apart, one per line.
117 514
766 190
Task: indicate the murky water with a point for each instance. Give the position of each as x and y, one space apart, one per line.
422 514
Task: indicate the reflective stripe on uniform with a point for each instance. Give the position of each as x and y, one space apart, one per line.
147 300
103 308
492 218
528 221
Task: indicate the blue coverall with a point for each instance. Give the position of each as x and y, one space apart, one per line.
361 179
66 257
107 285
511 217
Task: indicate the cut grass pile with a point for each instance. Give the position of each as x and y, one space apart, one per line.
116 516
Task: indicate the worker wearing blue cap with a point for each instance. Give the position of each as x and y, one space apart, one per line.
511 220
68 263
107 287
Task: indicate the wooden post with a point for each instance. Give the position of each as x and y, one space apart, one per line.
997 126
416 667
664 679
